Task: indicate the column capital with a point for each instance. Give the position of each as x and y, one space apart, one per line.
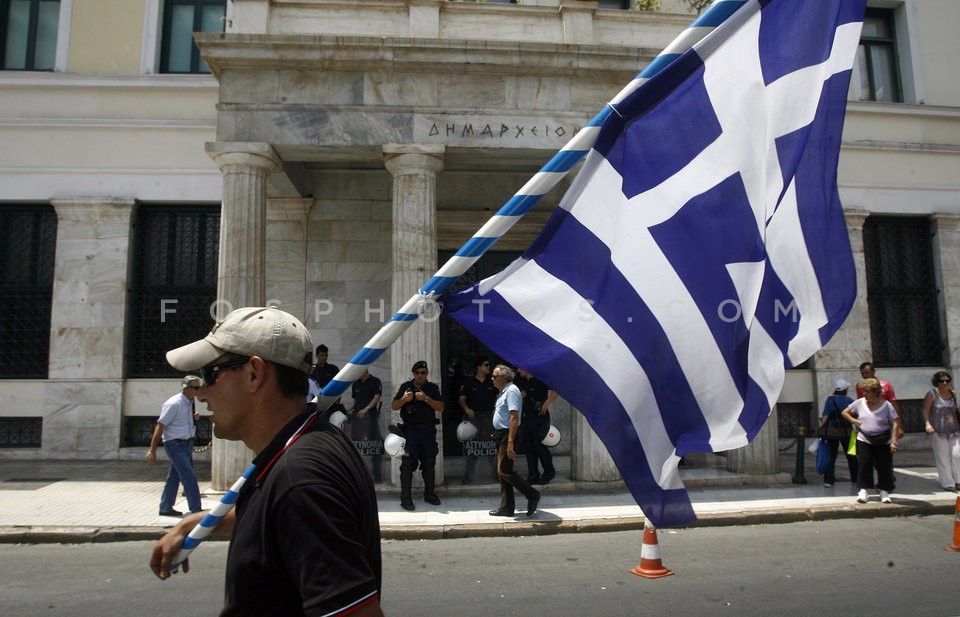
855 217
402 159
230 155
94 208
946 221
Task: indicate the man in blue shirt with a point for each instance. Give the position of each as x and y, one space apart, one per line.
176 427
506 424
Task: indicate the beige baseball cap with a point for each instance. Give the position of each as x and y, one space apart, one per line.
267 332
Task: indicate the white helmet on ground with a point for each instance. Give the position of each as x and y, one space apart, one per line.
393 444
552 438
337 419
466 430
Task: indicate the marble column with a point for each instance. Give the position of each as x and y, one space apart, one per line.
84 390
947 251
760 456
589 459
242 265
414 168
842 355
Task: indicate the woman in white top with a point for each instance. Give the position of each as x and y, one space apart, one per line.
943 426
876 421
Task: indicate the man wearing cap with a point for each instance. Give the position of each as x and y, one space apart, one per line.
418 400
305 535
176 428
838 431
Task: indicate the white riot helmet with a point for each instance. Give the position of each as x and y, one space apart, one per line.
552 438
393 444
337 419
466 430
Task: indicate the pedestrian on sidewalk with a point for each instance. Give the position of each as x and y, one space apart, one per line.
176 428
305 533
943 425
506 425
877 422
836 431
867 371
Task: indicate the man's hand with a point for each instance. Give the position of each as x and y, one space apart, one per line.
511 453
167 547
151 456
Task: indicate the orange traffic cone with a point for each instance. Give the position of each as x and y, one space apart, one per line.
955 547
650 565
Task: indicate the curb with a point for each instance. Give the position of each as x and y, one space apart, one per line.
78 534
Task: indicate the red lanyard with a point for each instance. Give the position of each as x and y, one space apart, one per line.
300 431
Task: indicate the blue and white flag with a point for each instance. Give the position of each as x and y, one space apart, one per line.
700 252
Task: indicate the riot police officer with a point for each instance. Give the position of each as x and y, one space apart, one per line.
418 401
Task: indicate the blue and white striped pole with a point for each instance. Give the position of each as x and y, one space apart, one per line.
500 223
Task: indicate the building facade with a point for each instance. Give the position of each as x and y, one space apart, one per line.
328 155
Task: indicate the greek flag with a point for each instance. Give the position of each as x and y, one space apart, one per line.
700 252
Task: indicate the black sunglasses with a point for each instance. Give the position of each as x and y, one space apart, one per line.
212 371
944 380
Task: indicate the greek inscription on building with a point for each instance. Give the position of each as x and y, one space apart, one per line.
479 131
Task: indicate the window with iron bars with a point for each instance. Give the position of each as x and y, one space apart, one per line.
901 292
173 285
28 240
138 431
20 432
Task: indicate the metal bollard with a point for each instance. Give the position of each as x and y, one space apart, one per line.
798 477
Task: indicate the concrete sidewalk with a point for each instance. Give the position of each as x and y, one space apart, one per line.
101 501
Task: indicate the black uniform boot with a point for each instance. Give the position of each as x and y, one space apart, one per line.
406 482
429 477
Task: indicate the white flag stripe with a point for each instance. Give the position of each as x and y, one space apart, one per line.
532 291
787 249
641 261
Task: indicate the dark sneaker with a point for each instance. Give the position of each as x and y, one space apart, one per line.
171 512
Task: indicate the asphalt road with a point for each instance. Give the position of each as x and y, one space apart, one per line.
875 567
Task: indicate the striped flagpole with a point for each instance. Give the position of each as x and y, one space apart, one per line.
500 223
211 520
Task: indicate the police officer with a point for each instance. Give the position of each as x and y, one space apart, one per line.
535 423
418 401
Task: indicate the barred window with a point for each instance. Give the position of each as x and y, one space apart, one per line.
173 285
28 240
901 292
21 432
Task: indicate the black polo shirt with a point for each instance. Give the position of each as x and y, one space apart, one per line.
324 374
307 536
418 414
534 393
481 395
364 391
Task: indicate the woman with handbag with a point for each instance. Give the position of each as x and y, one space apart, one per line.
835 431
876 421
943 426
